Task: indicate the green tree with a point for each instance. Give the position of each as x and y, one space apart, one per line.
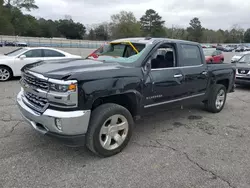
236 34
124 24
25 4
91 35
195 30
152 24
247 36
71 30
176 32
101 32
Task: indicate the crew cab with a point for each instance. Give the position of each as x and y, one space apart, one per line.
95 101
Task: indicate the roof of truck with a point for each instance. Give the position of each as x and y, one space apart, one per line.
151 40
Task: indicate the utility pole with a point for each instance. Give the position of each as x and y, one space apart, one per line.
172 31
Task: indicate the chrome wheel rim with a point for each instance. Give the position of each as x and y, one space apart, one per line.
113 132
4 74
220 99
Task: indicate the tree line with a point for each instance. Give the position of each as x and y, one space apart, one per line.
123 24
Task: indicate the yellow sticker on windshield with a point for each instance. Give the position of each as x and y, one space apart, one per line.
126 42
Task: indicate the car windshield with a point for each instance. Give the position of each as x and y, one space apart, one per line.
245 59
121 52
15 52
208 52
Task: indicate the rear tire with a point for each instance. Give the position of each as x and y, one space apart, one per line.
5 73
110 129
216 99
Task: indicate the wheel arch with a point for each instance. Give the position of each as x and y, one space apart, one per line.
224 82
2 65
131 100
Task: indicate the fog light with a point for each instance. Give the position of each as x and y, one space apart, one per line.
58 123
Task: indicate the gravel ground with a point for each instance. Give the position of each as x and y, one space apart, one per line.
180 148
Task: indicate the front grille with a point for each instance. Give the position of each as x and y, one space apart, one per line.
39 103
242 71
36 82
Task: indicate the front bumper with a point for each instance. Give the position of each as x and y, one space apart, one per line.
73 126
242 80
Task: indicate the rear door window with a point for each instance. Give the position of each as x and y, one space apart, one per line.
52 53
33 53
191 55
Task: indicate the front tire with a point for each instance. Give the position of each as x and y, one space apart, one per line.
5 74
110 130
216 99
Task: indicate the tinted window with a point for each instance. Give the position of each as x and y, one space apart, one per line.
52 53
164 57
245 59
190 55
33 53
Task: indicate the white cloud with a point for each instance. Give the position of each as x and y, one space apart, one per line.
213 14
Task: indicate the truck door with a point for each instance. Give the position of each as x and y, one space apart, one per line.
193 69
164 84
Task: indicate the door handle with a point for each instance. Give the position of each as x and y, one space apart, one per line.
204 73
178 75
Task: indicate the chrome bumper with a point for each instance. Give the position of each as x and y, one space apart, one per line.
72 122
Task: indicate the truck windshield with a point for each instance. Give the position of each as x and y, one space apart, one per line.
121 52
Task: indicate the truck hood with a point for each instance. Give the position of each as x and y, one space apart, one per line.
245 66
71 69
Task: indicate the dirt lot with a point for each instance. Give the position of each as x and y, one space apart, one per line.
176 149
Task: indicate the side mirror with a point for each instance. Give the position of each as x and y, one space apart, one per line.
22 57
147 66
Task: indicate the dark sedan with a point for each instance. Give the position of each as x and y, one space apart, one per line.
243 70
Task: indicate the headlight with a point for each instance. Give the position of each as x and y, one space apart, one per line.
62 88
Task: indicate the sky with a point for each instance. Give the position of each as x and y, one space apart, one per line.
213 14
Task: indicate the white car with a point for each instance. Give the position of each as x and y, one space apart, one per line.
236 57
12 62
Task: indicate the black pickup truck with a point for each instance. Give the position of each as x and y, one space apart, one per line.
95 100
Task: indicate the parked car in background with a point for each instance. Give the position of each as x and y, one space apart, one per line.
12 62
242 49
236 57
21 44
233 46
226 48
221 48
213 56
206 46
243 70
8 43
229 48
1 44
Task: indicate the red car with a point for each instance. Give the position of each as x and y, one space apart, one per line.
213 56
94 54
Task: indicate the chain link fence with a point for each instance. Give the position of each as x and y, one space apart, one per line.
49 42
56 42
